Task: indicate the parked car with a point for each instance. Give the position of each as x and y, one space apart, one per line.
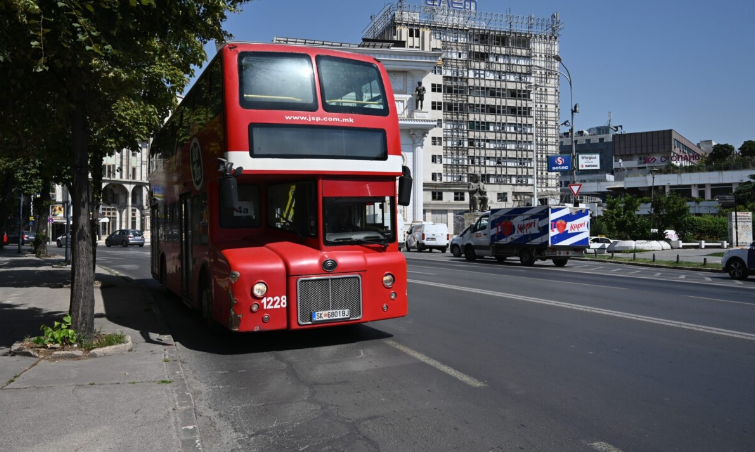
600 244
739 263
456 242
26 237
427 236
62 240
125 237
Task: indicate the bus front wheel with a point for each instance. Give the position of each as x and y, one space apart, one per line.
205 294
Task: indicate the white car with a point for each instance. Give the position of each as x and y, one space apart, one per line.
600 243
456 242
739 263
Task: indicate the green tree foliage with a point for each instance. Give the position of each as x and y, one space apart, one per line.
745 192
93 77
621 219
720 153
747 149
669 211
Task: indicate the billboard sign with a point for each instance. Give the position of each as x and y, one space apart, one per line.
470 5
589 162
559 163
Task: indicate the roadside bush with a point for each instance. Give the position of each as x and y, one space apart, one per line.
709 228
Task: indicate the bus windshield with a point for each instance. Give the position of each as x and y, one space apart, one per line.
276 81
350 221
350 86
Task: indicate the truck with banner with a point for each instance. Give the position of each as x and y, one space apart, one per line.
554 233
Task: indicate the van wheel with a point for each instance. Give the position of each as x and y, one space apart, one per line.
456 251
469 253
526 258
406 246
444 249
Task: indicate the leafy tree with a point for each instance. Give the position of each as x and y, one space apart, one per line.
747 149
99 75
621 219
669 211
745 192
720 153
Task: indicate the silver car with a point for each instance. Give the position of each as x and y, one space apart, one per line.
125 237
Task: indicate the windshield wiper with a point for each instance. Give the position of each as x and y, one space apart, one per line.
290 223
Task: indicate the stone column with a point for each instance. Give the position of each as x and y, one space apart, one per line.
418 139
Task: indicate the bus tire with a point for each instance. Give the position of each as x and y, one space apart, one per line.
560 262
164 278
205 297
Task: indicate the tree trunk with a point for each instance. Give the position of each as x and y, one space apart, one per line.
96 171
82 272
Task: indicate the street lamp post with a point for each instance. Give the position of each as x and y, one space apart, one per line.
652 200
534 146
574 109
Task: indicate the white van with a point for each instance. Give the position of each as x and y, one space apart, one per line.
427 236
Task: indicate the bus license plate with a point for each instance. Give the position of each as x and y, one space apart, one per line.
335 314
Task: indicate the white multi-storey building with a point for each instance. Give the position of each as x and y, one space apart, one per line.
494 96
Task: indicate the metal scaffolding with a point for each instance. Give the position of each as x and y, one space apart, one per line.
500 92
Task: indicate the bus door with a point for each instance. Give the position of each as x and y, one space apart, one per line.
186 257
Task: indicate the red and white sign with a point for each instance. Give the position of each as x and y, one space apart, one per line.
575 188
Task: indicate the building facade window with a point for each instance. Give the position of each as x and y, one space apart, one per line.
437 196
436 105
459 196
502 197
437 177
436 88
436 141
437 159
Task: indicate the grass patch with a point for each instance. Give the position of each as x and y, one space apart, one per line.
103 340
165 382
627 257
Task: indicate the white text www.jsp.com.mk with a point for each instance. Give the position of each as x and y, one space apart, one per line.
318 119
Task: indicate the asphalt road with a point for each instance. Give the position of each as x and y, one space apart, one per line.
593 356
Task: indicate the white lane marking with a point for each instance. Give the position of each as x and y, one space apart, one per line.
608 312
575 270
421 273
475 383
527 277
708 279
726 301
682 276
604 447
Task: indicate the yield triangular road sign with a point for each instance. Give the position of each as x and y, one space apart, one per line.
575 188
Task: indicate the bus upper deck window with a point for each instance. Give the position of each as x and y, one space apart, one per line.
350 86
276 81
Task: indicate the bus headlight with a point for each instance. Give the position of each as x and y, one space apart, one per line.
259 290
388 280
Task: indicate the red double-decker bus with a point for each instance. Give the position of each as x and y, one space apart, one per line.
274 193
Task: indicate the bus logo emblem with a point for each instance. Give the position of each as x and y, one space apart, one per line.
329 265
197 174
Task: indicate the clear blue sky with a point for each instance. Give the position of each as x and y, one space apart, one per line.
683 65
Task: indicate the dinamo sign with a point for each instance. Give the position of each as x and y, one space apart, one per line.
470 5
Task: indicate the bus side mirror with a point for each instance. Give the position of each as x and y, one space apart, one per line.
405 187
229 191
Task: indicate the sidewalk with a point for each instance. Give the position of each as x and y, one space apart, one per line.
132 401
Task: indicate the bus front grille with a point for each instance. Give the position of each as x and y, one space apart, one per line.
325 294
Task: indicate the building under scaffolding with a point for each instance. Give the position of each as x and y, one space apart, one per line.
499 94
